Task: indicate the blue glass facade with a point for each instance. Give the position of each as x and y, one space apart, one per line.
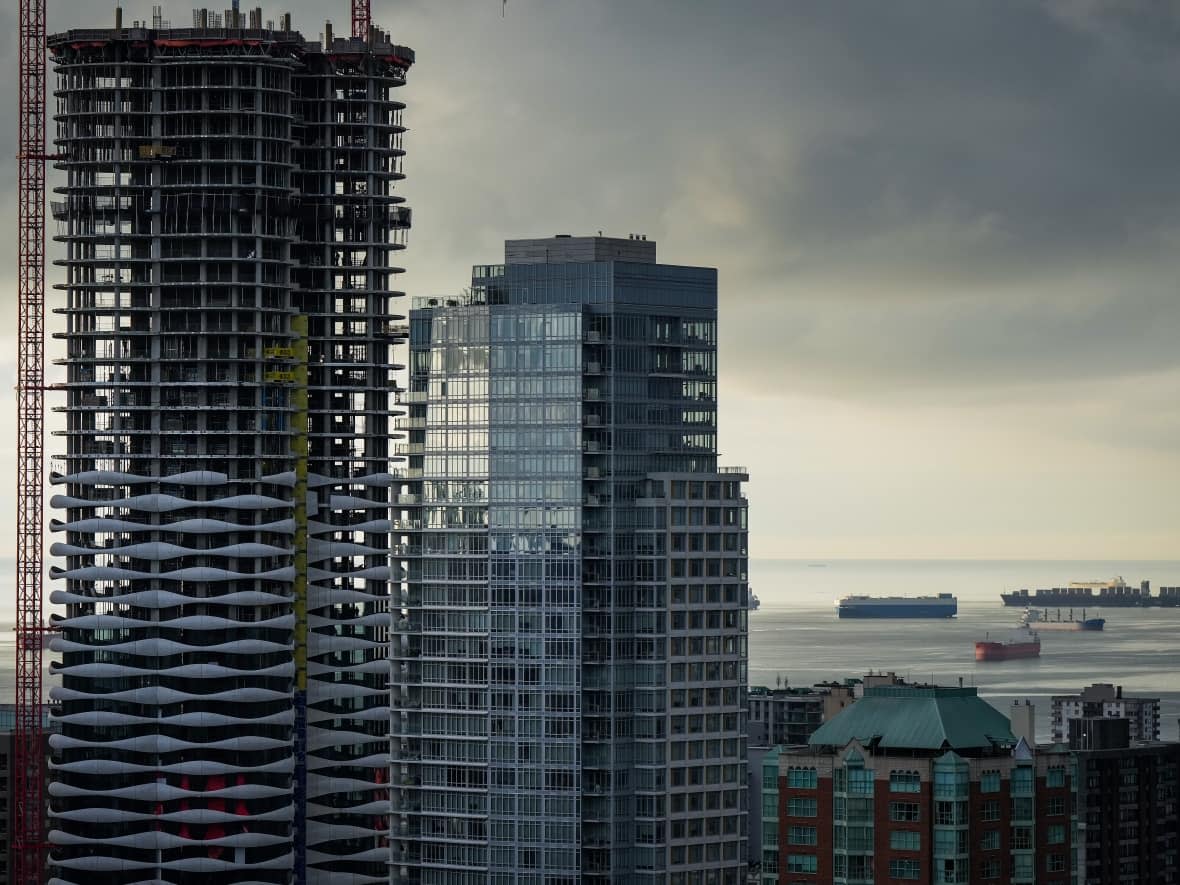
570 664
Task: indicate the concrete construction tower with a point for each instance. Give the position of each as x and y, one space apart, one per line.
229 228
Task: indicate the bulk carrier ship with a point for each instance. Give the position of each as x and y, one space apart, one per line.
1041 621
1022 644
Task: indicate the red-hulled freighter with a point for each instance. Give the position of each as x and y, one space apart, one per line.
1022 644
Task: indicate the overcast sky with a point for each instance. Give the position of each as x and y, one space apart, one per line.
948 237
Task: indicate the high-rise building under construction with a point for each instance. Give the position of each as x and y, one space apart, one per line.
229 230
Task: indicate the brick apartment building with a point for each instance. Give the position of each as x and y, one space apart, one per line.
923 784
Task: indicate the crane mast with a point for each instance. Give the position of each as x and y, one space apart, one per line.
28 793
362 18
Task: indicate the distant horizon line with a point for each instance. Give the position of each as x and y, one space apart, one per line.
824 560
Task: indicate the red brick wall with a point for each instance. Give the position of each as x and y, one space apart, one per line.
823 826
977 826
1043 794
883 826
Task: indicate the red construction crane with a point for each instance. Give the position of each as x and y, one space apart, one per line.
28 799
362 18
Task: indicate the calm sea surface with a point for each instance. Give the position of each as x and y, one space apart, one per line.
796 634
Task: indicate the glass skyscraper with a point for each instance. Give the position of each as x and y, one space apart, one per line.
569 661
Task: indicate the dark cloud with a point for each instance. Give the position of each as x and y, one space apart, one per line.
948 232
898 195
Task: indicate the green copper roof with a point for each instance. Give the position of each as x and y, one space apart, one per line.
906 717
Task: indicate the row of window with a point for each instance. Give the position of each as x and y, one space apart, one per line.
950 782
952 842
1021 867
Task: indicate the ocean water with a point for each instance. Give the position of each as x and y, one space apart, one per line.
796 635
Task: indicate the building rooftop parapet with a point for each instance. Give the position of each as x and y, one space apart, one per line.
564 248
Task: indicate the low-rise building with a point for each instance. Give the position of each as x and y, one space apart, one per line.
1103 699
783 716
787 715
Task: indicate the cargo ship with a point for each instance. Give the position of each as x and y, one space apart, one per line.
1115 593
1023 644
1033 617
944 605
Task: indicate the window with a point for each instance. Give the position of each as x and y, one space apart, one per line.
853 838
904 868
1056 834
990 869
801 863
990 840
905 840
801 778
949 842
1022 837
1055 777
1055 806
1022 866
860 781
950 783
950 814
801 807
1055 863
1022 808
989 782
990 810
800 835
1022 781
904 782
904 812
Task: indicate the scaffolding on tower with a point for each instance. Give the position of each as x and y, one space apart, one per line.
28 802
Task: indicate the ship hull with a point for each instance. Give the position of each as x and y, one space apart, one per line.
1078 600
1087 626
1000 651
869 610
1087 600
